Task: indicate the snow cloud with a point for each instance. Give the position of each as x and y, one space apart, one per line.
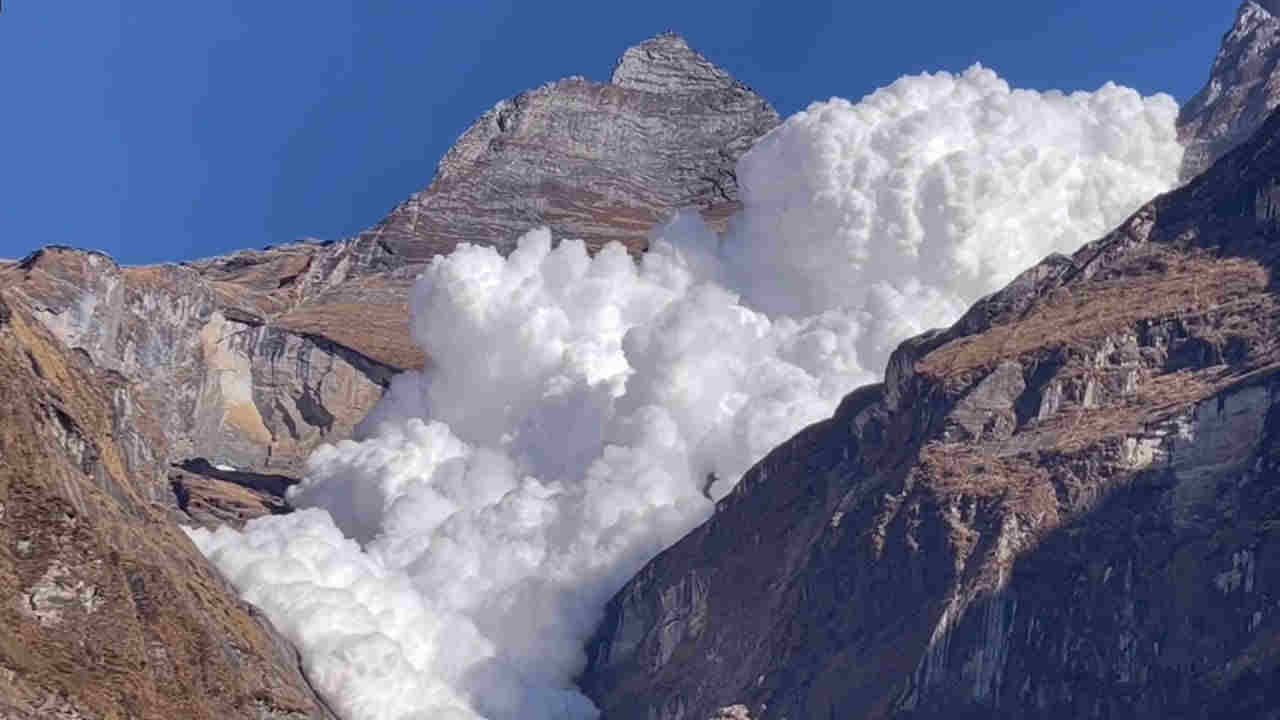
583 412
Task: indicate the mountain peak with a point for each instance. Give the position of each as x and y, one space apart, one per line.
666 64
1243 88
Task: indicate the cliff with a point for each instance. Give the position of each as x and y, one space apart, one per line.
1242 89
1065 505
597 162
109 611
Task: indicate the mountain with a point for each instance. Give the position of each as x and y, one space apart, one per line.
1065 505
251 360
1242 90
138 398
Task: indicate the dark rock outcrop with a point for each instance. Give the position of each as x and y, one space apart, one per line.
1243 88
109 610
1066 505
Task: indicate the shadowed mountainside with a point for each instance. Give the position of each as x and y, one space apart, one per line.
1066 505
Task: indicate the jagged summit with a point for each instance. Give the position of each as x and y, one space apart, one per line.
666 64
598 162
1242 89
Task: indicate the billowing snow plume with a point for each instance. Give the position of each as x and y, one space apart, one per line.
580 411
936 190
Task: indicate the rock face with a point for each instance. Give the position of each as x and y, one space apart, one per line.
109 611
591 161
207 376
247 362
1066 505
1243 88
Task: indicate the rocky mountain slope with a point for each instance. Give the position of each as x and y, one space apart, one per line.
1065 505
1242 89
250 361
109 610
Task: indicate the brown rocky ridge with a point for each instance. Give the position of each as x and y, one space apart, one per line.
1065 505
109 611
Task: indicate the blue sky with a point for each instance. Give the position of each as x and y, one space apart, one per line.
163 130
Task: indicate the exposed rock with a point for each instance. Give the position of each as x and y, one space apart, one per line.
219 498
733 712
666 65
1242 90
1066 505
207 372
591 161
109 610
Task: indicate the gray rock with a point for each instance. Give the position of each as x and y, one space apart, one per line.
1243 87
666 65
205 371
593 162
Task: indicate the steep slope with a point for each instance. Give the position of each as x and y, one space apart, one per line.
253 359
1242 90
110 611
1066 505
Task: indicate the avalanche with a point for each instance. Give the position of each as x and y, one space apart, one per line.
454 557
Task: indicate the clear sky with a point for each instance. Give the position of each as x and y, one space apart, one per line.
162 130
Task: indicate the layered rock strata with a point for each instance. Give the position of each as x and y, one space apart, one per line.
597 162
251 360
